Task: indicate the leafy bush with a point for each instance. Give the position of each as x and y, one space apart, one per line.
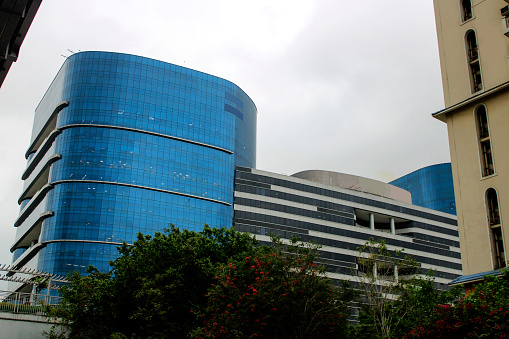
483 314
276 293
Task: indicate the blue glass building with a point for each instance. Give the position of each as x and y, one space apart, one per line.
431 187
123 144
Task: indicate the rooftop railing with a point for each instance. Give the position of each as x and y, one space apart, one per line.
26 303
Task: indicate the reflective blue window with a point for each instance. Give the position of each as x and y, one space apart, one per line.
431 187
17 253
143 144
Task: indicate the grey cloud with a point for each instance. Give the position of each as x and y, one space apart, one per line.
352 90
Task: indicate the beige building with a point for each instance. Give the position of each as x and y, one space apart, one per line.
473 40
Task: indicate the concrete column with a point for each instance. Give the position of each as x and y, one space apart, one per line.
396 277
372 221
393 226
31 299
375 273
48 291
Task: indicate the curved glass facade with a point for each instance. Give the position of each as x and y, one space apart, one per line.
139 144
431 187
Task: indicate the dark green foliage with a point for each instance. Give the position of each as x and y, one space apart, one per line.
483 314
169 275
391 307
277 292
416 304
419 300
378 285
152 286
217 284
87 308
170 285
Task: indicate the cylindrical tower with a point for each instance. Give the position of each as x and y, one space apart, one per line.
123 144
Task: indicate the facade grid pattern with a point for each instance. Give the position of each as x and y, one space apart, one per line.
140 144
267 203
431 187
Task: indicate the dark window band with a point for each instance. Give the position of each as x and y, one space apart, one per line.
342 196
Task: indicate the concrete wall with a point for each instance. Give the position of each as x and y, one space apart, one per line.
493 46
22 326
356 183
470 185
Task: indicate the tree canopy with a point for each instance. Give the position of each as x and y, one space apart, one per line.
482 314
276 293
394 299
152 286
182 282
218 283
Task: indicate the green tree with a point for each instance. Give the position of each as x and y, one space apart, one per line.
483 314
278 292
418 301
152 288
87 308
381 274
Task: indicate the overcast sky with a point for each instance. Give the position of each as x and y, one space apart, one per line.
347 86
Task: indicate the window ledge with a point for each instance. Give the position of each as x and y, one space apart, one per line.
489 176
464 22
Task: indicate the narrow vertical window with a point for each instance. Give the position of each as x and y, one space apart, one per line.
473 61
466 10
493 212
484 141
498 248
495 229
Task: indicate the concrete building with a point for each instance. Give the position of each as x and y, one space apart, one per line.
342 212
473 40
431 187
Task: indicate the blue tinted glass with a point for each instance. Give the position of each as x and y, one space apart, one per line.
431 187
141 144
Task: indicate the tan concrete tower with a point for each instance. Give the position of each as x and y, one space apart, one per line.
473 40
